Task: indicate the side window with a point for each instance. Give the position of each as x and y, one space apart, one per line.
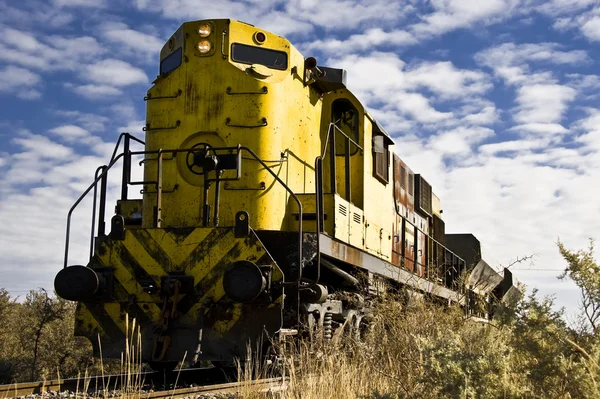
345 118
381 158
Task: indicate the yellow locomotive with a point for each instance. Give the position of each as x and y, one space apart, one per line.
272 204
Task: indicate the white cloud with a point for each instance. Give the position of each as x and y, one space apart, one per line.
368 40
114 73
91 122
50 52
564 24
41 146
590 128
543 103
445 80
345 14
512 61
69 132
485 116
449 15
95 91
282 23
591 29
80 3
133 40
523 145
399 85
459 141
263 13
34 14
541 128
19 82
562 7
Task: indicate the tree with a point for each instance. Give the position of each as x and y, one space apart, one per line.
41 311
583 269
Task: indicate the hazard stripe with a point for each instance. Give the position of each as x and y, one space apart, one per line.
109 326
146 255
203 249
180 234
209 286
143 257
152 248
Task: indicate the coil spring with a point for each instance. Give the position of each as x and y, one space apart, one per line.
328 326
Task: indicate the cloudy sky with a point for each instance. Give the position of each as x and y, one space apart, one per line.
495 102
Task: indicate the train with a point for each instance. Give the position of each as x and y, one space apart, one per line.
273 205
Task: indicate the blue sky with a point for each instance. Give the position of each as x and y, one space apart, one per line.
494 102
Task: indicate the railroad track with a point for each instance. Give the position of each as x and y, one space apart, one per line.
213 380
264 385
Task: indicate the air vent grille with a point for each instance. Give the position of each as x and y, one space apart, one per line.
357 218
343 210
402 177
423 195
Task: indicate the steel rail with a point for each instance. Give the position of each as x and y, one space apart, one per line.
265 385
82 384
112 382
205 377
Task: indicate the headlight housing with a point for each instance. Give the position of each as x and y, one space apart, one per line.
204 30
204 46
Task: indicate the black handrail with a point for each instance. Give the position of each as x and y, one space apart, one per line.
94 212
114 157
85 193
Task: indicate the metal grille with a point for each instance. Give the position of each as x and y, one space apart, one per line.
402 177
343 210
357 218
423 195
411 184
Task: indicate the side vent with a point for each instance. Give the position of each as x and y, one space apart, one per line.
403 177
343 210
357 218
422 196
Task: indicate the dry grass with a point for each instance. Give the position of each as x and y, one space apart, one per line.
421 351
428 351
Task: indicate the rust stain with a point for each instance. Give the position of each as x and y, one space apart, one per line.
346 253
192 98
214 106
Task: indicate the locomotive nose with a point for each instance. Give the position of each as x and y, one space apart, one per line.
76 283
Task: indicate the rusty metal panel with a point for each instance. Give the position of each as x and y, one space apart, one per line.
397 240
409 247
400 193
348 254
421 254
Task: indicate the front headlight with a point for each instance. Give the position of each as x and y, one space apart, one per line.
204 30
204 46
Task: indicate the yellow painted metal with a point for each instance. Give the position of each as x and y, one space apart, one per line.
147 255
213 100
223 103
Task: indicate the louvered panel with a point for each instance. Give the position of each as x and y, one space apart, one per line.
422 196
